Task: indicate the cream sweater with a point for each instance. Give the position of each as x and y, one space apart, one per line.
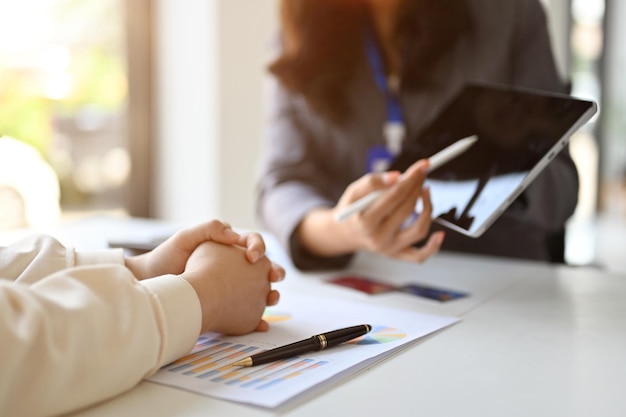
77 328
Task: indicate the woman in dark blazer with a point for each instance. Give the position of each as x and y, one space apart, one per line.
329 103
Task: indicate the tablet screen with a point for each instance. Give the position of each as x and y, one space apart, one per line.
519 131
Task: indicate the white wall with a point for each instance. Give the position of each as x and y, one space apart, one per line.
186 165
210 64
246 27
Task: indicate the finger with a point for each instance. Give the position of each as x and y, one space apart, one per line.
263 326
399 198
385 236
427 203
418 228
367 184
412 181
220 232
254 244
277 273
403 216
213 230
419 167
273 297
419 255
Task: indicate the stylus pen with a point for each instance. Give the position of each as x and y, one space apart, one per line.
437 160
318 342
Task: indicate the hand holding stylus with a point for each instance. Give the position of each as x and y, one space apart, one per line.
437 160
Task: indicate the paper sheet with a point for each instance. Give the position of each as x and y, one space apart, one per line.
297 317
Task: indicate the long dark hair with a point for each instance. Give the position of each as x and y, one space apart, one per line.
323 40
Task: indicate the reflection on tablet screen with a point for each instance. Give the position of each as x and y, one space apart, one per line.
519 131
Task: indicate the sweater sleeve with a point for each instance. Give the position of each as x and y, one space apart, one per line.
290 183
79 328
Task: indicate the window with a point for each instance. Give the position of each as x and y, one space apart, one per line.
64 90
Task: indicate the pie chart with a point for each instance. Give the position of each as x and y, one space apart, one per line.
272 316
379 334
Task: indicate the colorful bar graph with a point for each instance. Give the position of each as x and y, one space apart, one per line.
213 364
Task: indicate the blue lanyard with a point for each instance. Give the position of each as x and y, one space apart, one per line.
375 59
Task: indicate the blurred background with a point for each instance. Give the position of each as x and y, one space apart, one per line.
154 108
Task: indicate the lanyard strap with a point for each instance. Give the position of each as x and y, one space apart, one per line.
394 126
375 59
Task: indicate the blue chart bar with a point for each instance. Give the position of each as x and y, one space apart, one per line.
291 375
204 342
198 357
277 374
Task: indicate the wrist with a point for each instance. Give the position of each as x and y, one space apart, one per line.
135 265
321 235
199 285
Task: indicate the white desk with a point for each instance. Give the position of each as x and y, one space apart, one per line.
549 341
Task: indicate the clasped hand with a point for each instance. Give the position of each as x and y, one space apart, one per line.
229 272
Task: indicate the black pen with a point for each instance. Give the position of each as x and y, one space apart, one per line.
318 342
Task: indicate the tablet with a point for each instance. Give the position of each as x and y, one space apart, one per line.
519 132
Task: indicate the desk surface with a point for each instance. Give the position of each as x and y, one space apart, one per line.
538 340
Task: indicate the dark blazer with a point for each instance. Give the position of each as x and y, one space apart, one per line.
309 161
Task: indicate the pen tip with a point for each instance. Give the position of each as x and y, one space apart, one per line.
243 362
